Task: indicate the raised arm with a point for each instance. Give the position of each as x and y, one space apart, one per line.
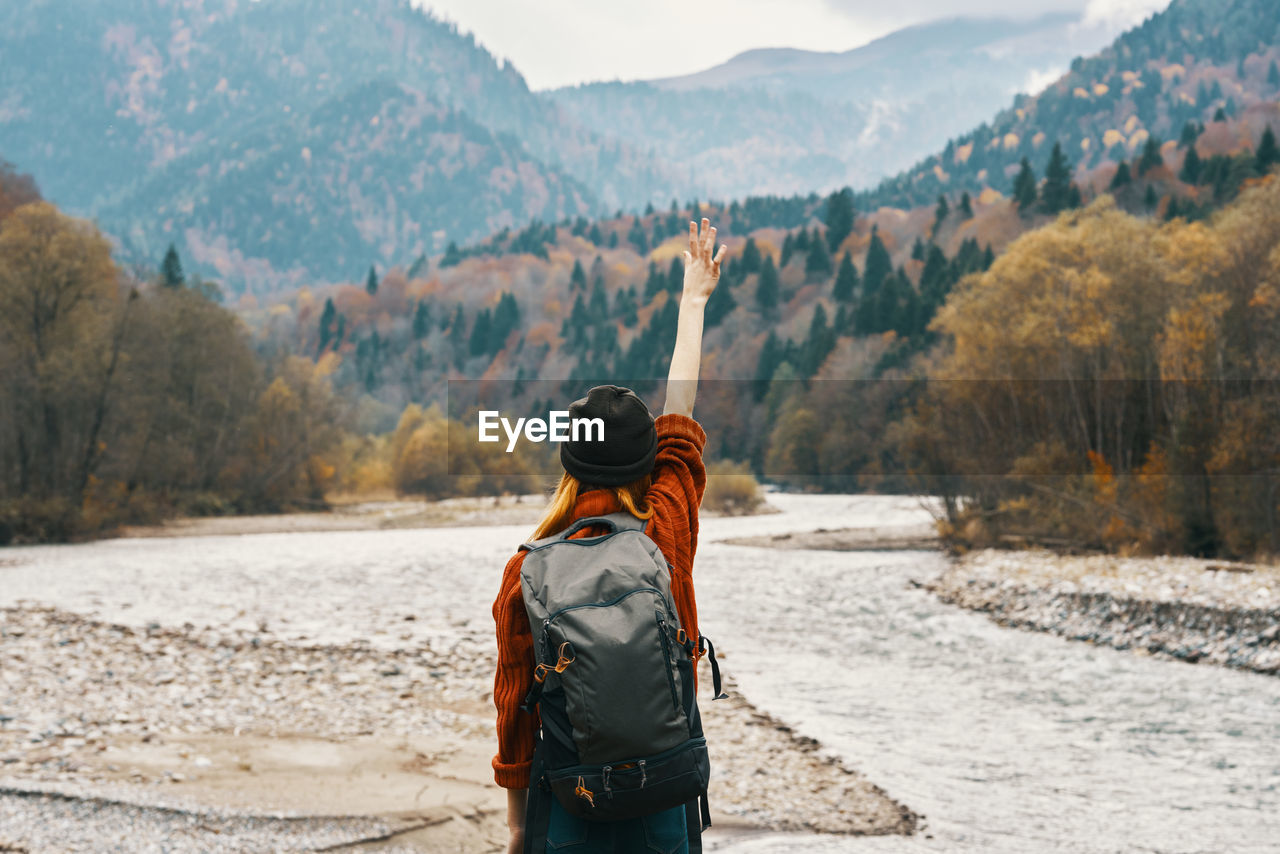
701 273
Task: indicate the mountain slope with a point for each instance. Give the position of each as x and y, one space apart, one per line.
1182 65
786 119
98 97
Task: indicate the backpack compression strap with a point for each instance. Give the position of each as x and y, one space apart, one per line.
706 647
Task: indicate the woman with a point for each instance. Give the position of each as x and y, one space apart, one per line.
652 469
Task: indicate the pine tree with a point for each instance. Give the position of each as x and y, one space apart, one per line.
878 264
1191 167
594 234
966 206
1190 133
819 343
171 269
917 249
419 264
751 257
846 280
1219 115
721 303
599 303
1073 197
1123 177
818 262
480 333
767 285
451 255
770 357
788 249
675 276
1150 200
421 320
1151 156
1024 187
638 238
1055 195
577 278
613 240
839 217
1267 154
940 213
326 324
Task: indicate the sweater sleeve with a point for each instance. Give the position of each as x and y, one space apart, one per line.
679 480
512 681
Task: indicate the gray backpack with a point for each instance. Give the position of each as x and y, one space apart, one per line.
621 736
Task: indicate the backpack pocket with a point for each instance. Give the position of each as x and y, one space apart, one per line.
634 787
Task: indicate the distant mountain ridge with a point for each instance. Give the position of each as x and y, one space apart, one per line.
788 120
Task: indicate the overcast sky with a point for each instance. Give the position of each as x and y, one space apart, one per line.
563 42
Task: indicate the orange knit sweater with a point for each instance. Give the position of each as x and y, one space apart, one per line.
678 482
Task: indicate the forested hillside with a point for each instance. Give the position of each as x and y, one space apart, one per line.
1198 62
211 108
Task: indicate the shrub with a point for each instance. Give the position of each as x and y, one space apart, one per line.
731 489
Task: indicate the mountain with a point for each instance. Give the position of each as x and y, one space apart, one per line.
1201 62
109 103
778 120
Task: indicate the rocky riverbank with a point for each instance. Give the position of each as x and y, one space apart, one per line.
125 738
1186 608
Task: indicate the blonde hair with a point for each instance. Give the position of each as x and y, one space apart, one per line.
559 513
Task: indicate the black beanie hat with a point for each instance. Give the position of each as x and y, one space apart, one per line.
630 439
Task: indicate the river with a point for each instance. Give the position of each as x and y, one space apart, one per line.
1004 740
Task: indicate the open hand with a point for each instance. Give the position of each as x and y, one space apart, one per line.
701 270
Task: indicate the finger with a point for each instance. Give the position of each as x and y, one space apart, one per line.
706 225
720 254
710 244
693 239
688 259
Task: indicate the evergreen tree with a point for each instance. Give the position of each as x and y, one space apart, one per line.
1190 133
1151 156
934 279
594 234
1150 200
171 269
839 217
421 320
788 249
917 249
1024 187
419 264
577 278
1073 197
721 302
599 306
326 324
751 257
1191 167
771 356
638 238
966 206
940 213
457 336
613 240
675 275
341 333
818 262
846 280
1123 177
767 286
1055 195
371 282
479 343
1267 154
451 255
1219 115
819 343
878 264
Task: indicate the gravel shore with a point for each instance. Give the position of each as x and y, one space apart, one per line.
1187 608
120 738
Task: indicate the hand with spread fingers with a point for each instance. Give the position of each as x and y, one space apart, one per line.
701 269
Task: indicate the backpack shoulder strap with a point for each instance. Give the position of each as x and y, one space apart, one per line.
615 522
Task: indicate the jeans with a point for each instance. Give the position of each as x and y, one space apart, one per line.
664 833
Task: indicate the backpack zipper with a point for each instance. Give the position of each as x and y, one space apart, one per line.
666 655
546 624
655 759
